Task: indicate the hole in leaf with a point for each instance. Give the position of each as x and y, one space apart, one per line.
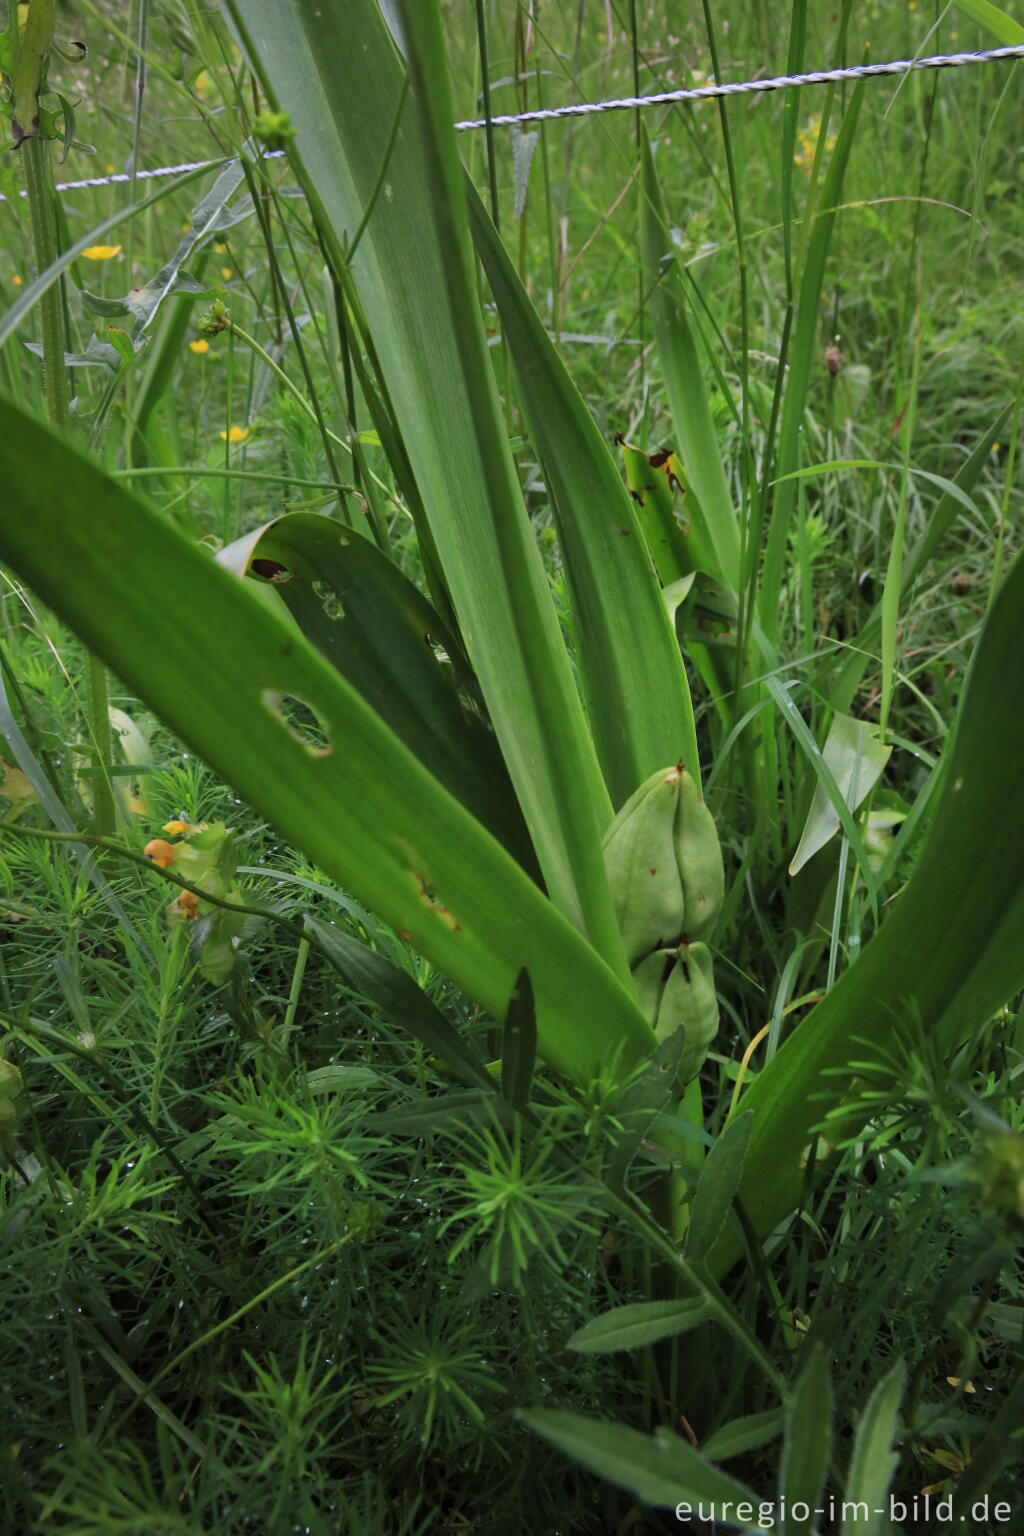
272 570
330 599
301 720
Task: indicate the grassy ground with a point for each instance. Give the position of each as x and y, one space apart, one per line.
248 1282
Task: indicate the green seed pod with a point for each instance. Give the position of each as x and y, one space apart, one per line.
643 872
699 856
676 987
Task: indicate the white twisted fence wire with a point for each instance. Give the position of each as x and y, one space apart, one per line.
747 87
630 103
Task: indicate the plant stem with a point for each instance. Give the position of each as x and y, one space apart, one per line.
39 187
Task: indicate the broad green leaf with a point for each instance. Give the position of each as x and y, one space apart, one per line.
1007 32
1006 1321
714 526
950 951
369 621
856 757
216 667
664 1471
873 1461
639 1323
339 76
632 674
519 1044
719 1181
807 1445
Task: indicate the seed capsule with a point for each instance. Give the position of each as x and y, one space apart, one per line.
643 872
699 857
664 865
676 988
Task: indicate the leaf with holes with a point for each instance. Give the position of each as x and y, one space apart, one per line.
332 777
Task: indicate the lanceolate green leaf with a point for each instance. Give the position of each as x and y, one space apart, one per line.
805 1454
950 953
873 1461
336 71
209 658
663 1470
634 683
719 1181
637 1324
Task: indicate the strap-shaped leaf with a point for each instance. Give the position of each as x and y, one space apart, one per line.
208 657
873 1461
336 70
634 683
714 526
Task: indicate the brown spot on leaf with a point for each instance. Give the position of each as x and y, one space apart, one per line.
429 897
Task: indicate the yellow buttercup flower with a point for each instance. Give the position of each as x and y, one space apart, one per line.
200 346
101 252
236 435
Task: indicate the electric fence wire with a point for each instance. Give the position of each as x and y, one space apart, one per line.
629 104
